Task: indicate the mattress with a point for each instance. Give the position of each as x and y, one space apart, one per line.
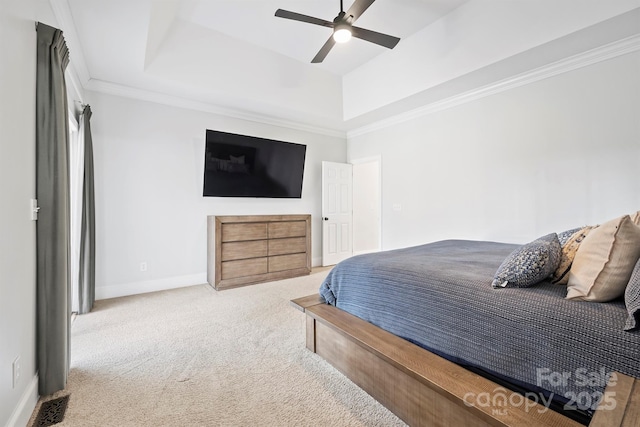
439 296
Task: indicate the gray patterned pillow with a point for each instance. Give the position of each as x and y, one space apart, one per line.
529 264
564 237
632 300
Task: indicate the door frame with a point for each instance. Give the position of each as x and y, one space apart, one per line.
372 159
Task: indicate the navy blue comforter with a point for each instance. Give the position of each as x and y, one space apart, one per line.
439 296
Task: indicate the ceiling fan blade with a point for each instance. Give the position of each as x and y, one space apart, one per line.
323 51
280 13
375 37
357 8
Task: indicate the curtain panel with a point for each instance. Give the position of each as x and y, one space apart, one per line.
53 225
87 280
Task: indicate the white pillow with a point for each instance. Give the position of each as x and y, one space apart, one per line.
604 261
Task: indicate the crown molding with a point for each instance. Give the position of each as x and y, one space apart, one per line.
63 15
584 59
116 89
81 80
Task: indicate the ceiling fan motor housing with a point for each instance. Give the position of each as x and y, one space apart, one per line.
342 18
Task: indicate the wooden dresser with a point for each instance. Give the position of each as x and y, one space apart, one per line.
243 250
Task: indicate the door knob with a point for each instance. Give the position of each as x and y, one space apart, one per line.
325 218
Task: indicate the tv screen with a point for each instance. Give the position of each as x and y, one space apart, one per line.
246 166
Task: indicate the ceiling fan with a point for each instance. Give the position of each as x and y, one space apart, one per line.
343 28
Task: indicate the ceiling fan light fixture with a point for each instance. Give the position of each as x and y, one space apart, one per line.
342 33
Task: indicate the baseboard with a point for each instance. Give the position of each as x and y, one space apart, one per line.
134 288
22 413
317 262
368 251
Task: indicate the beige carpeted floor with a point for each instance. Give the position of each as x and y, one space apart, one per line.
197 357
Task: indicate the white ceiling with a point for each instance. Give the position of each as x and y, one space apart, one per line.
254 23
236 56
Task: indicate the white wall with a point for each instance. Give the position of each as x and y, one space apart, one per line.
149 161
551 155
17 187
475 35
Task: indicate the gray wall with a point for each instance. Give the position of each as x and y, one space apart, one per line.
149 163
555 154
17 187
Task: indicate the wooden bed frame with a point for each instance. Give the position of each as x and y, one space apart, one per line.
424 389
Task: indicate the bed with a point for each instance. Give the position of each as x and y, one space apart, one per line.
422 330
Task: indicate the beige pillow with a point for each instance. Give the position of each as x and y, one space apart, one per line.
636 218
568 253
604 261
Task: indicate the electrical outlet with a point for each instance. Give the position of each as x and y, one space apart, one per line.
143 266
16 371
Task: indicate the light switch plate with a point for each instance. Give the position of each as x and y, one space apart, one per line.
34 209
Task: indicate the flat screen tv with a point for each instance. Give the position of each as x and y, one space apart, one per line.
246 166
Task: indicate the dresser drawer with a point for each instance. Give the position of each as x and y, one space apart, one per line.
287 262
292 245
287 229
247 249
244 250
245 267
240 232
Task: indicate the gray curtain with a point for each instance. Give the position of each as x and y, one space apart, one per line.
87 281
53 227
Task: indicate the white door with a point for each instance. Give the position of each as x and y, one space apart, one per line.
337 216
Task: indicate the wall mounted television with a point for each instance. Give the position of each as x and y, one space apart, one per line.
246 166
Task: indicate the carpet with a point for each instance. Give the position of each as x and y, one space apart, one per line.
197 357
